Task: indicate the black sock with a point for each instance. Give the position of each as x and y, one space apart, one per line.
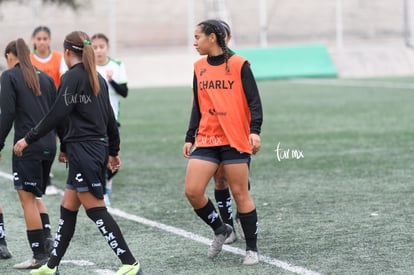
210 216
37 243
65 231
250 227
2 231
112 233
46 224
224 201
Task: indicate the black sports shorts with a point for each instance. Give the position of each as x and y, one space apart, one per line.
31 175
220 154
87 166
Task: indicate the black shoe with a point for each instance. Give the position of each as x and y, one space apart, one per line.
4 252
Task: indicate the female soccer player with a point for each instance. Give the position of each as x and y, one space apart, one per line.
91 142
50 62
113 71
221 186
228 106
26 96
44 58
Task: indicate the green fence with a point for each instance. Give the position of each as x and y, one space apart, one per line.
290 62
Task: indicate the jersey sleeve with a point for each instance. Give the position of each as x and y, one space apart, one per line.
195 116
121 89
253 99
112 130
7 107
123 79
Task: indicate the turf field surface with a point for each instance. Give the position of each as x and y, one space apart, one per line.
341 206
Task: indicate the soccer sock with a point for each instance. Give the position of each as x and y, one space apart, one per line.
224 201
2 231
210 216
37 241
46 224
112 233
250 227
64 234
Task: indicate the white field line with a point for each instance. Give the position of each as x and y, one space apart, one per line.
188 235
78 262
355 83
6 176
75 262
200 239
88 263
104 272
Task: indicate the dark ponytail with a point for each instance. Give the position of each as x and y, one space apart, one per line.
79 43
19 49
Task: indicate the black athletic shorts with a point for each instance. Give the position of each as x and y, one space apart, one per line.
87 166
31 175
220 154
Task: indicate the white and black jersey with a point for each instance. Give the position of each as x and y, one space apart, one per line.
117 87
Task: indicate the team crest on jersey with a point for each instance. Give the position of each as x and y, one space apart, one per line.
78 177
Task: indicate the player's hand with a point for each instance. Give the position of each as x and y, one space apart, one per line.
19 147
0 157
255 143
109 74
187 149
114 163
62 157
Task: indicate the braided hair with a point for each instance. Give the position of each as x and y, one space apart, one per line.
215 26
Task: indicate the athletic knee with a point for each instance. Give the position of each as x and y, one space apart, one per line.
191 194
240 196
220 184
195 197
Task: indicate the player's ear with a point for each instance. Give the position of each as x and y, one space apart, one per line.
212 37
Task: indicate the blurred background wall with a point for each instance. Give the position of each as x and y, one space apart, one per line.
361 32
146 23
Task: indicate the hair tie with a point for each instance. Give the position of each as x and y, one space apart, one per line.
70 46
86 42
